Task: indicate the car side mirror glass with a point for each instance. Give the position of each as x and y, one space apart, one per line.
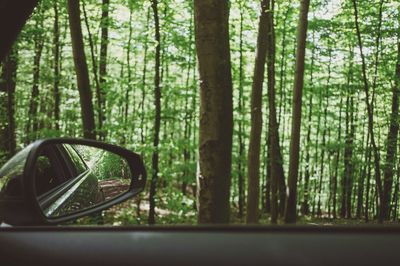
70 178
73 178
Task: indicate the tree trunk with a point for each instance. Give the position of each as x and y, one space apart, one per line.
253 163
322 161
363 174
369 104
334 189
275 154
291 206
216 118
33 123
7 85
368 187
94 67
56 67
391 149
188 112
81 70
241 185
305 206
103 64
144 84
157 119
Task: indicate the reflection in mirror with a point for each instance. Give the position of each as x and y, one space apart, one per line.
71 178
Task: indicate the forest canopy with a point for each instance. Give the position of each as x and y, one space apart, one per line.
266 111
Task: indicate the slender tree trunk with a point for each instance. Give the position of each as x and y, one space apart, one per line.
363 174
56 66
335 183
396 197
129 88
369 105
81 70
348 175
241 185
314 170
349 171
103 64
253 159
282 67
270 198
216 117
291 206
33 123
276 159
157 120
188 112
391 150
322 161
144 84
305 207
94 67
368 188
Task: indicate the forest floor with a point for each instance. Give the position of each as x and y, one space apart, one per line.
182 212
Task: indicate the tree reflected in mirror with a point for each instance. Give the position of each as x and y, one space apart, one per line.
71 178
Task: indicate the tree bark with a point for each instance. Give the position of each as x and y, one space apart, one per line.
94 68
391 149
375 149
305 206
157 119
7 85
33 123
216 110
253 159
291 206
241 185
81 69
56 66
103 64
335 175
275 153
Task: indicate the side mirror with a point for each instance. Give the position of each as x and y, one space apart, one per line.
64 179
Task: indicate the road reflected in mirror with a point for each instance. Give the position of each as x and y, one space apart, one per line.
71 178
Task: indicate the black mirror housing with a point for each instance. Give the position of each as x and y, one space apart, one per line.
25 208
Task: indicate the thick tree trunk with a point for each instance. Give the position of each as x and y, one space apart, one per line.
7 107
291 206
157 119
81 69
216 118
13 16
